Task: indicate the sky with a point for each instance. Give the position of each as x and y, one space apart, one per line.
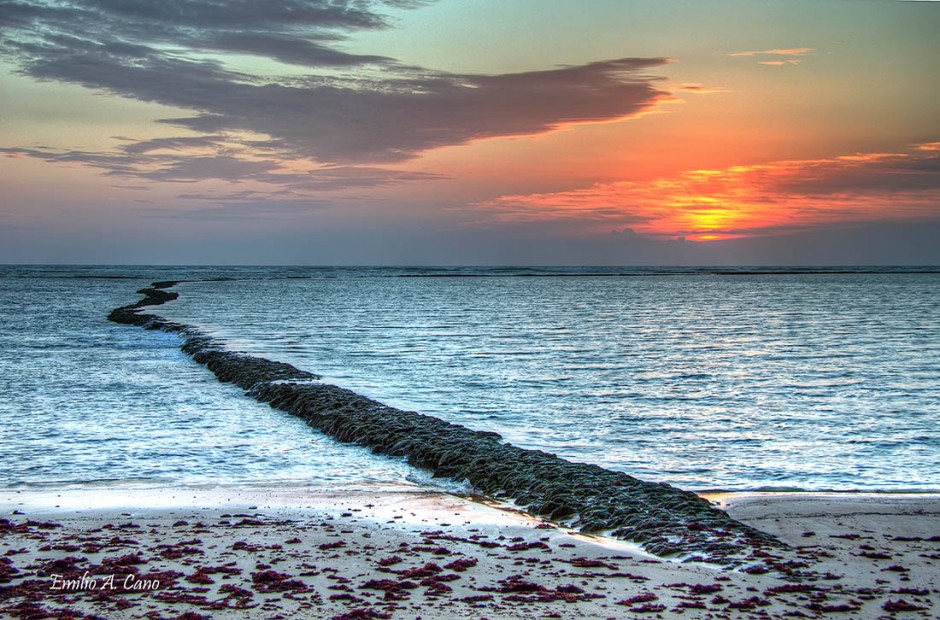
524 132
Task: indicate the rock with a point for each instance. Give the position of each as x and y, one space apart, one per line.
662 518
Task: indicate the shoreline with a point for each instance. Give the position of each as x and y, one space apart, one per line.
275 553
359 551
105 497
661 518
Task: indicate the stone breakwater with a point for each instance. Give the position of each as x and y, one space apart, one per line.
664 520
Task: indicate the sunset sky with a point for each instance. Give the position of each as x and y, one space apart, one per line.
554 132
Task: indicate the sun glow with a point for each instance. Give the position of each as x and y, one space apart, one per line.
744 201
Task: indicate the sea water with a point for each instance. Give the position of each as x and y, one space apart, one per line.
85 402
703 378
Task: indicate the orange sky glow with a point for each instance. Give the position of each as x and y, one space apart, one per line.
774 198
448 132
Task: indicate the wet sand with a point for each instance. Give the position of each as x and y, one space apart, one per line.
407 553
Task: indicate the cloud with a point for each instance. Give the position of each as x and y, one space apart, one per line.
173 144
343 108
795 54
792 51
217 159
194 24
211 167
699 89
378 121
744 201
288 50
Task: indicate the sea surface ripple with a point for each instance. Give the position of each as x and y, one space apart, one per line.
737 379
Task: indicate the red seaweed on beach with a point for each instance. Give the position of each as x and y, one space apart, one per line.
394 590
66 567
749 603
526 546
200 577
644 597
234 591
831 608
515 584
901 605
648 608
420 573
362 613
461 564
175 552
228 569
124 561
390 561
691 605
7 570
242 545
273 581
585 563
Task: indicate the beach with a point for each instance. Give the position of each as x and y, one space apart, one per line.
407 553
200 468
439 310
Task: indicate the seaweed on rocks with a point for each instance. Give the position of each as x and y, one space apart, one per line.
664 520
229 367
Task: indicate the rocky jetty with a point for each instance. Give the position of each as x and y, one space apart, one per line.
664 520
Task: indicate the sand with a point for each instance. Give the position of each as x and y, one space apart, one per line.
408 553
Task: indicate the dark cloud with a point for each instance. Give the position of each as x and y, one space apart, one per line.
114 164
139 160
211 167
890 173
187 22
239 13
287 49
150 51
158 144
394 121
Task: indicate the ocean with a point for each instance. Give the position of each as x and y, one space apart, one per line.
705 378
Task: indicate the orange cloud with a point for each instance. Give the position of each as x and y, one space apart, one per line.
779 63
792 51
741 201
